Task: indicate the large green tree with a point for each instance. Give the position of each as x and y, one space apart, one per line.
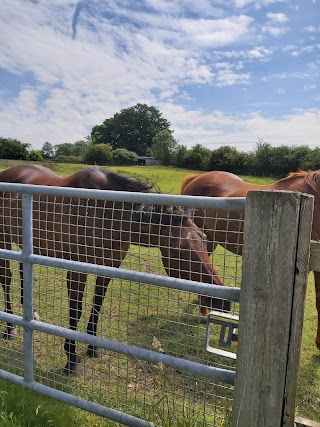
64 149
180 157
133 129
198 157
11 148
47 150
164 146
312 160
227 159
80 147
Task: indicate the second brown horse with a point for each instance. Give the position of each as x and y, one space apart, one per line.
228 231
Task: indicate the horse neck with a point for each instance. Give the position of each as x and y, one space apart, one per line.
306 183
260 186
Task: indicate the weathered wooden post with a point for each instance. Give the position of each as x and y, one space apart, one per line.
275 268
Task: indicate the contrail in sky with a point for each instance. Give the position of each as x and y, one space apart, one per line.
77 9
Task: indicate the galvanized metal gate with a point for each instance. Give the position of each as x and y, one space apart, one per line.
161 361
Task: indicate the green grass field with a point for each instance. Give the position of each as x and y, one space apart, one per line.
139 315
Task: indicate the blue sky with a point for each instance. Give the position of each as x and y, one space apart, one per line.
222 72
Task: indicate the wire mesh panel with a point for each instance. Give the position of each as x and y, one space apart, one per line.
150 238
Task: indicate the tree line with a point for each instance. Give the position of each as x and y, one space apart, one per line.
142 131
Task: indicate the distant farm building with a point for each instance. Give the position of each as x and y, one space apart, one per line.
147 161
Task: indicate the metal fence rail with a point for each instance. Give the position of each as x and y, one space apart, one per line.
149 325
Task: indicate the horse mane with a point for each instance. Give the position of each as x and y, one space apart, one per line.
165 215
117 182
311 177
299 173
187 180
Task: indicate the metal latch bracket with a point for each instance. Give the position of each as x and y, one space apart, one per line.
229 324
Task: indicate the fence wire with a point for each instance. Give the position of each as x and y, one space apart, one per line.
131 236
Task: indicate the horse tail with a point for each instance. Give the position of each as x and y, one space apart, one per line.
187 180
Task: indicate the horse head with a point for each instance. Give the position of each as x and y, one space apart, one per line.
183 248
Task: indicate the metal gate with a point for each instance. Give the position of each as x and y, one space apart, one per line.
161 364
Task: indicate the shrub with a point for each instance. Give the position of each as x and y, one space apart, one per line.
122 156
99 154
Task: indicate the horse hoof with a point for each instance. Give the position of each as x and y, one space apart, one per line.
317 340
10 334
36 316
203 319
95 352
73 369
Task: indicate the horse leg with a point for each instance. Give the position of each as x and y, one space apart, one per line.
76 283
317 286
206 304
211 246
35 314
5 279
99 294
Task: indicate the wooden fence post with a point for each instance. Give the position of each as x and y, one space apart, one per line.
275 267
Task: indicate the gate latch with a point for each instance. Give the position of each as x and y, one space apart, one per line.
229 324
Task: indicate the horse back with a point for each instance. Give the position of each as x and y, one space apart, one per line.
216 184
31 174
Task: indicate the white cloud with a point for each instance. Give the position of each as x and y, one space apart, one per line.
274 26
229 78
287 75
242 131
259 52
258 4
277 17
242 3
274 31
310 29
255 53
199 8
210 33
289 47
305 49
306 88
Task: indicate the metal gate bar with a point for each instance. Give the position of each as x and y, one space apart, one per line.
236 204
95 408
218 374
223 292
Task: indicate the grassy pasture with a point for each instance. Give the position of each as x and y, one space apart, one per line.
133 315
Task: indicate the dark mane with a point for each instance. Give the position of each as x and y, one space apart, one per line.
156 214
119 182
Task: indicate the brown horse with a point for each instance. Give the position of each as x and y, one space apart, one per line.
226 232
99 232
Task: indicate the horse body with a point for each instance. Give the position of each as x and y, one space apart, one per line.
99 232
227 229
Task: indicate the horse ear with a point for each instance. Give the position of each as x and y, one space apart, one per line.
164 215
183 210
143 213
154 214
189 212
